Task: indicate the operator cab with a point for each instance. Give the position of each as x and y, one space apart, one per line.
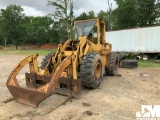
86 28
93 29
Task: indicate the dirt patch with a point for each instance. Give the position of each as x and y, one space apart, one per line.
49 46
117 98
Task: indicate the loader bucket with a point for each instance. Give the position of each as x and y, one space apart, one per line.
33 95
27 96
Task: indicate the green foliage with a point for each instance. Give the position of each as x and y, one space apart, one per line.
147 12
103 15
83 16
21 29
1 36
91 15
38 29
53 36
135 13
86 16
11 23
61 14
61 9
16 28
42 35
130 56
124 16
62 35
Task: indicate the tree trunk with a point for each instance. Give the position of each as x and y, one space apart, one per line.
5 42
66 16
16 46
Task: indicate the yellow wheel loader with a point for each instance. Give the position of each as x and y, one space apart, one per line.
79 62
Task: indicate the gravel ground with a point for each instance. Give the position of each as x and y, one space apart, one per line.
117 98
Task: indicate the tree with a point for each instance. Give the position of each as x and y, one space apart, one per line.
124 16
91 15
54 36
109 12
61 13
37 28
2 41
83 16
134 13
1 37
42 35
3 34
158 11
11 23
147 12
103 15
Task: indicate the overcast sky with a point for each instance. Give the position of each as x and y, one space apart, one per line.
40 7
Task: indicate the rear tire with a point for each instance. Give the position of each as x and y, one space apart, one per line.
112 68
121 56
91 70
129 64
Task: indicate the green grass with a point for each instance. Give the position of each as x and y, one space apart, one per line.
148 63
26 52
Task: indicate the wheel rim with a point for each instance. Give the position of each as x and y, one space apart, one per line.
98 71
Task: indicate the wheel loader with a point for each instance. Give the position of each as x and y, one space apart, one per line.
78 63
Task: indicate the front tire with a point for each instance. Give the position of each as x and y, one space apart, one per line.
45 61
91 70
